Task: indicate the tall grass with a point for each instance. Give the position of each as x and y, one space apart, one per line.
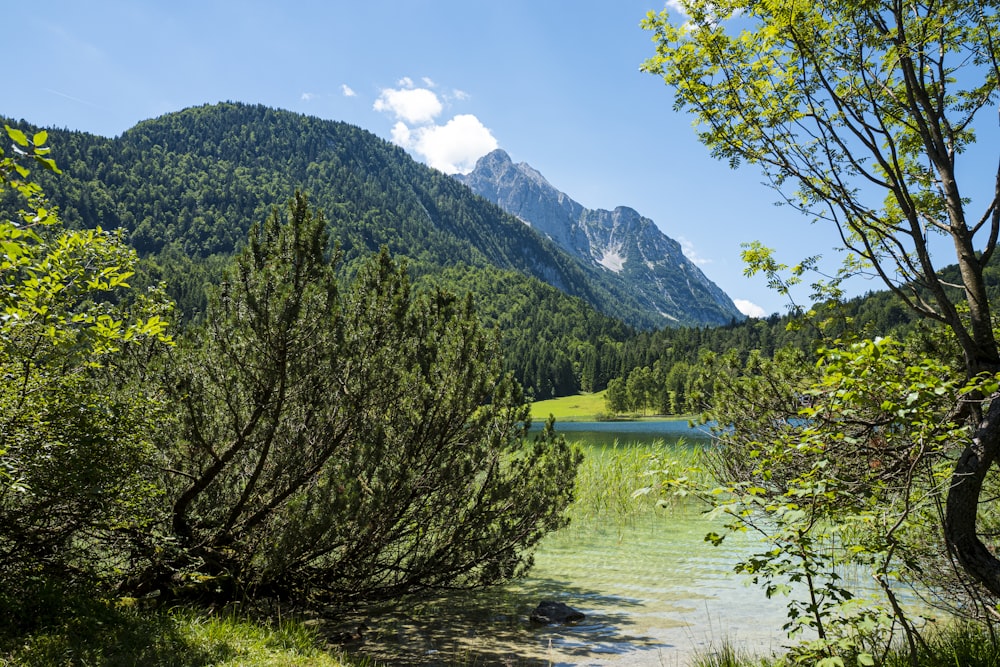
622 481
729 655
953 645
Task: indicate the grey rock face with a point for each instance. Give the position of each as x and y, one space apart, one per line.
650 264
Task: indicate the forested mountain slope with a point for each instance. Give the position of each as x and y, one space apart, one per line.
197 179
186 187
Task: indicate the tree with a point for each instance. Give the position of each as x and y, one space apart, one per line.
74 425
346 442
859 114
674 390
838 467
641 386
617 399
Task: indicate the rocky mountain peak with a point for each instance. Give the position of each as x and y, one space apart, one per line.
620 241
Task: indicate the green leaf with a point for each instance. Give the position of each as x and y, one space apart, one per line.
48 163
714 538
17 136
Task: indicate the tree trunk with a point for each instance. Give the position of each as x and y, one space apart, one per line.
963 501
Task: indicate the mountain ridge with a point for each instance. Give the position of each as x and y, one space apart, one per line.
648 263
196 179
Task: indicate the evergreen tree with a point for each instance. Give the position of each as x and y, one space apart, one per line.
347 442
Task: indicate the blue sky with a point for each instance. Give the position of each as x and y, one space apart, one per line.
554 83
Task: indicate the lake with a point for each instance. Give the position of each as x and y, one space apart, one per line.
652 589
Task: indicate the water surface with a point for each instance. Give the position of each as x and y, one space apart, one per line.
652 589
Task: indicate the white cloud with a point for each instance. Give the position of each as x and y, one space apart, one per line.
677 7
688 249
308 97
412 105
453 147
401 134
749 308
347 90
428 82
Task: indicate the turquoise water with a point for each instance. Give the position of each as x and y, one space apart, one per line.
634 433
653 590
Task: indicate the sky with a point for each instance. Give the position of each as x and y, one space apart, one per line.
554 83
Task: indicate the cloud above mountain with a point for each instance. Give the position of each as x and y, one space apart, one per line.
691 253
749 308
411 105
452 146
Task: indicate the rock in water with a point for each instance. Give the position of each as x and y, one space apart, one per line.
550 612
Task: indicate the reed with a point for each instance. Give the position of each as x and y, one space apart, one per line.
625 480
727 654
952 645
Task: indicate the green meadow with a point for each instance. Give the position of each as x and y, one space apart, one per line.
576 408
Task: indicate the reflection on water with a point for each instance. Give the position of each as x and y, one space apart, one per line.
653 592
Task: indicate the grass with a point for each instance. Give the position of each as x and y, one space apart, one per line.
622 481
98 632
951 645
954 645
729 655
581 407
957 644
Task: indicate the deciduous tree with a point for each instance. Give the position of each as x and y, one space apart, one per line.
74 426
860 114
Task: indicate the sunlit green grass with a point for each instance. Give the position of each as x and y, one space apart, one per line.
624 480
581 407
104 633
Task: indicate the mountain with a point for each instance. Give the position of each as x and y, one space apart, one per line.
195 180
185 188
629 248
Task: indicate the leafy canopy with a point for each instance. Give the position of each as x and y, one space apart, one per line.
859 114
74 429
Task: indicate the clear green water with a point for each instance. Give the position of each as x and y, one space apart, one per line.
652 589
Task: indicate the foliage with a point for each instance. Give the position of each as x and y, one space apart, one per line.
81 629
860 115
840 470
554 345
346 442
74 428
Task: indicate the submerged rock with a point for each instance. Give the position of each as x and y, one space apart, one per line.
549 612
